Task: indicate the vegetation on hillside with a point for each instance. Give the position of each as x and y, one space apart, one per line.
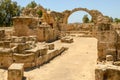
8 9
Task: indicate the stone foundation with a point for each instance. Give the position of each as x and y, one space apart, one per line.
107 72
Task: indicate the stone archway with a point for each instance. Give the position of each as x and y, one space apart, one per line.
94 14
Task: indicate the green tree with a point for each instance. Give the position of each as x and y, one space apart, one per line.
85 19
116 20
32 4
39 12
8 9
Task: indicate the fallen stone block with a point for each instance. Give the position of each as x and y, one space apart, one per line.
67 39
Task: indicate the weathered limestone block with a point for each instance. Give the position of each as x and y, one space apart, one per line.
43 51
112 52
118 54
5 52
101 54
118 45
111 45
40 34
117 63
46 33
2 34
107 36
39 61
113 36
118 37
1 44
29 65
45 58
52 54
102 36
22 25
16 71
99 72
32 38
13 39
23 58
51 46
55 52
5 61
21 47
5 57
62 49
67 39
101 45
109 58
106 48
6 44
107 72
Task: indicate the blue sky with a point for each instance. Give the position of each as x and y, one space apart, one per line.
107 7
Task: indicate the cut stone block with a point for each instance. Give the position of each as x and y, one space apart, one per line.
67 39
109 58
1 44
6 44
117 63
112 52
107 72
43 51
16 71
23 58
51 46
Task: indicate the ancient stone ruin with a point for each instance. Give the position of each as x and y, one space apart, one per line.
31 43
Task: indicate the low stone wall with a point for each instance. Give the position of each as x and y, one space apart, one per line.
79 33
5 58
106 44
107 72
2 34
30 59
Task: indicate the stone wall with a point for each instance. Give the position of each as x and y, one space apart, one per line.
28 26
26 50
2 34
107 72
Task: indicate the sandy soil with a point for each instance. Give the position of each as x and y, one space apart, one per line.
77 63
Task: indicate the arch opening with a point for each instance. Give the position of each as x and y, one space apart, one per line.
77 16
75 21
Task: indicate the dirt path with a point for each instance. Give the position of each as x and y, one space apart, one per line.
77 63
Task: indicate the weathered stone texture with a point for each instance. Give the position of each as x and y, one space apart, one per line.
2 34
107 72
16 71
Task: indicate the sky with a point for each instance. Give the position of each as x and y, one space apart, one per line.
107 7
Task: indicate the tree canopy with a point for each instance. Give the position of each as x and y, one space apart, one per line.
8 9
32 4
117 20
85 19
